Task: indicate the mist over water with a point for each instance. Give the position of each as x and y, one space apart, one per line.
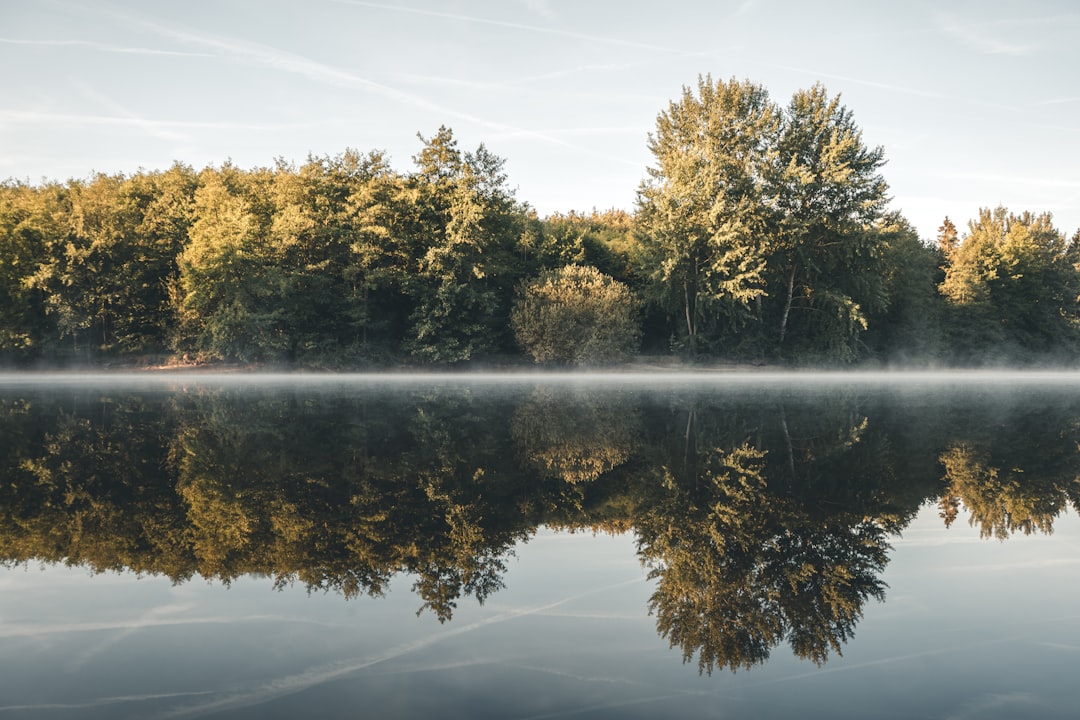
706 378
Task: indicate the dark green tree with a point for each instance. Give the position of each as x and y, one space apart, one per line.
825 270
1012 286
908 329
466 231
229 286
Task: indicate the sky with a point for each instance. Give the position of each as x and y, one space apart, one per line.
976 104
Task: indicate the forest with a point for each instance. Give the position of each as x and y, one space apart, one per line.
761 234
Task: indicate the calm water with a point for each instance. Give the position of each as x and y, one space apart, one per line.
540 547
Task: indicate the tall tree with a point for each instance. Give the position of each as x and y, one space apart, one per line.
110 258
378 213
78 275
26 230
824 261
761 220
162 205
227 285
699 211
468 225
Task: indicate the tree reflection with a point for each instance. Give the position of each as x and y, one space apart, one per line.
743 563
763 519
345 500
1015 473
577 438
1000 500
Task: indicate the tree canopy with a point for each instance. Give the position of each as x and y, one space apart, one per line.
759 220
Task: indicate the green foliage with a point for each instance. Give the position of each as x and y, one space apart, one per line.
1001 501
466 229
164 204
604 240
1012 287
1016 470
760 234
908 329
825 261
580 446
25 226
333 242
700 213
109 258
576 315
758 221
227 280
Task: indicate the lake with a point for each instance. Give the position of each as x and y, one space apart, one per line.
730 545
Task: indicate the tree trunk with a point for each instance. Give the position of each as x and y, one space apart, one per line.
787 303
691 331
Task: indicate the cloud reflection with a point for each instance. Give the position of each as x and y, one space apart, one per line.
312 677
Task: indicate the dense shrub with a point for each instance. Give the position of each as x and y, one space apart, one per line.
576 315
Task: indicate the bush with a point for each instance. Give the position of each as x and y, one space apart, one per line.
576 315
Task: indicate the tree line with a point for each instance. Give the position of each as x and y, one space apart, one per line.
761 234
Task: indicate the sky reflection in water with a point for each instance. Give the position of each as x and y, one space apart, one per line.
971 626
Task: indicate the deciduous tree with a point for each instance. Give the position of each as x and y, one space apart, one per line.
700 212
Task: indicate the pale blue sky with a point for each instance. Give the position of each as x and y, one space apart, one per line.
976 103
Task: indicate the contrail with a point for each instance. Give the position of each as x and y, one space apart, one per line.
570 34
285 61
316 676
102 47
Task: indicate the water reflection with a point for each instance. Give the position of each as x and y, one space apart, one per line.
763 516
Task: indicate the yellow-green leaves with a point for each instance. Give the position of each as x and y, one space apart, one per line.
576 315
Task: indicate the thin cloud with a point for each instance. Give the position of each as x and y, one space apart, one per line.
102 47
978 39
1060 101
917 92
747 7
515 85
560 74
450 82
149 619
288 62
100 702
282 60
610 706
991 702
1011 179
540 7
569 34
291 684
32 631
37 117
150 128
585 132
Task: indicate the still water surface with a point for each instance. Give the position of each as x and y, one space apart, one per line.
596 547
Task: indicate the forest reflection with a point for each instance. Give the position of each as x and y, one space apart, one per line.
763 518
